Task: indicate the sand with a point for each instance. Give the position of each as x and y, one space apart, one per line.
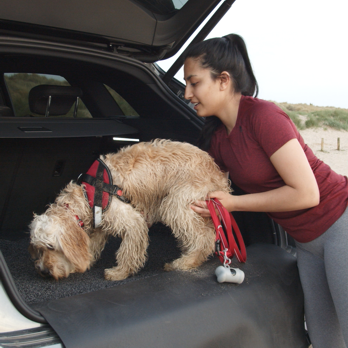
336 159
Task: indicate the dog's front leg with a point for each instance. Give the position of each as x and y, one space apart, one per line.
98 239
132 255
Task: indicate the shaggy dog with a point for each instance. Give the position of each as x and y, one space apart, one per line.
160 179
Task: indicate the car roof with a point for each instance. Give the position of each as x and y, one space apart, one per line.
144 29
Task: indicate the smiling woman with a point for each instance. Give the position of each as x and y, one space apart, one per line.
259 146
201 89
226 71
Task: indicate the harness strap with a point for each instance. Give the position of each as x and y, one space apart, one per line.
98 195
111 189
79 221
225 237
99 188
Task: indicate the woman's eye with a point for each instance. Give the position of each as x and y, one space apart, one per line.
194 84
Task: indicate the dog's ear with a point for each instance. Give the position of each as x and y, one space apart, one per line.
75 246
34 252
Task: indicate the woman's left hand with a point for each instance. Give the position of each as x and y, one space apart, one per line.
200 207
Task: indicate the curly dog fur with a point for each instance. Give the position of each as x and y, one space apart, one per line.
161 179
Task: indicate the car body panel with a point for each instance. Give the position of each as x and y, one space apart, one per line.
10 318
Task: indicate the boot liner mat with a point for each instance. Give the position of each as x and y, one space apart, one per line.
190 309
167 309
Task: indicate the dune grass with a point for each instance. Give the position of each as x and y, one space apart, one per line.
310 116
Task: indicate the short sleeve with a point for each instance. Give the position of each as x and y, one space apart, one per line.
273 128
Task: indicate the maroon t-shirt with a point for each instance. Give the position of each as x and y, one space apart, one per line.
261 129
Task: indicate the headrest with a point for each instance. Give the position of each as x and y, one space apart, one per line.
62 99
5 111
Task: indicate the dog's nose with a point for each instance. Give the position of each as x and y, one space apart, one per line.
43 272
46 273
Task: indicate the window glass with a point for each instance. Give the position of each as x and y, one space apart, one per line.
122 103
20 84
164 7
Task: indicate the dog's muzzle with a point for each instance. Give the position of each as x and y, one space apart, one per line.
45 273
36 254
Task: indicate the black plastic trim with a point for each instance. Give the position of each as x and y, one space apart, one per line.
32 338
62 127
200 37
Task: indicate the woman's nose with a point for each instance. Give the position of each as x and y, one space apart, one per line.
188 93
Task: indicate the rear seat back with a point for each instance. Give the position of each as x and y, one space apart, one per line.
5 111
33 171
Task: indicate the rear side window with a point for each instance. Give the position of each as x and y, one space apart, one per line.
126 108
20 84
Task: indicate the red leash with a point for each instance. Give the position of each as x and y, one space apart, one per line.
226 245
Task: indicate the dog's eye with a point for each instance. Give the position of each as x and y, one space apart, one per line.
50 247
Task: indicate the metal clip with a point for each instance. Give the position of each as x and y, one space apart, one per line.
227 261
218 246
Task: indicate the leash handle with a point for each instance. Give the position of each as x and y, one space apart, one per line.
226 241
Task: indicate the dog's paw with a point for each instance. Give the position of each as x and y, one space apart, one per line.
176 266
169 267
182 264
115 274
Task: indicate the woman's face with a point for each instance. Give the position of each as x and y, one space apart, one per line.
201 89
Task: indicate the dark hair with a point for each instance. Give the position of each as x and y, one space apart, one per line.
230 54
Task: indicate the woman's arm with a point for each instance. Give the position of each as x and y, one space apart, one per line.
299 192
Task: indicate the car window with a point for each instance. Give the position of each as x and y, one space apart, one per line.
163 7
20 84
122 103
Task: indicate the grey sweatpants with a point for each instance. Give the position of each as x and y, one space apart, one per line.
323 268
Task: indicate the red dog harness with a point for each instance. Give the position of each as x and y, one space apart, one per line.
78 220
225 244
99 189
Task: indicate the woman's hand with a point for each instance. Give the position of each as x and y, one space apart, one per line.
200 207
225 198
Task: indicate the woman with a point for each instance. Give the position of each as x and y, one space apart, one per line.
257 144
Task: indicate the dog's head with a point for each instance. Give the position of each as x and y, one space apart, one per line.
58 244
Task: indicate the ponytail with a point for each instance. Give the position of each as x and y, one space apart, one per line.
247 83
230 54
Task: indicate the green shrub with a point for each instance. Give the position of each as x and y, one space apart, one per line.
311 122
290 111
334 118
320 117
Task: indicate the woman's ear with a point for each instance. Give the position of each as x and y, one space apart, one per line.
225 80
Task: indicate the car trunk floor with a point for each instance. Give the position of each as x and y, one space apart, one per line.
190 309
34 288
172 309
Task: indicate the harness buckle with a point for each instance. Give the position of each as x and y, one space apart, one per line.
98 212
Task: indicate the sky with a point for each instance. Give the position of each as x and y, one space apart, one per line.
298 49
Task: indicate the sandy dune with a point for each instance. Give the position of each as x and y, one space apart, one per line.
337 160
